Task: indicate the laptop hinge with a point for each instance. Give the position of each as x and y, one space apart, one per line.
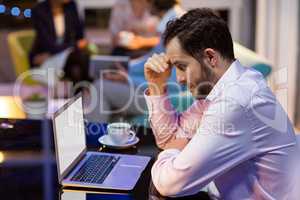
73 164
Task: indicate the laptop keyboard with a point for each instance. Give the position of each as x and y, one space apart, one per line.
95 169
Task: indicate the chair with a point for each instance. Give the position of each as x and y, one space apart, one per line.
20 43
249 58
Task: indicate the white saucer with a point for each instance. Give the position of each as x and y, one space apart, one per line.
106 140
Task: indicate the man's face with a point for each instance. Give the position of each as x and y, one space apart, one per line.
198 76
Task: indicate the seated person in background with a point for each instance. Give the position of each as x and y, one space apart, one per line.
59 28
123 91
166 10
131 21
236 134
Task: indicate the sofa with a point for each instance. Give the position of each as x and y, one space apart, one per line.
20 43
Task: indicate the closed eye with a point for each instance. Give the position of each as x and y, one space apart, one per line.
181 67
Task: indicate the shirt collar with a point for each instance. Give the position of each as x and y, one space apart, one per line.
232 74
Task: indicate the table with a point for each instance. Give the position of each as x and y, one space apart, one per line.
28 168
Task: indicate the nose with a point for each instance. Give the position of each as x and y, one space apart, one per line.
180 76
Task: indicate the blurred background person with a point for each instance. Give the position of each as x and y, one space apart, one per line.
165 10
124 89
132 19
59 39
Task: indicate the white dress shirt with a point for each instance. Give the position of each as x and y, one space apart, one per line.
59 23
245 143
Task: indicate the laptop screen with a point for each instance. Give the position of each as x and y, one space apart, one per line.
100 63
70 135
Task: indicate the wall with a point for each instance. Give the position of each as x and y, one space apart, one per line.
277 39
297 114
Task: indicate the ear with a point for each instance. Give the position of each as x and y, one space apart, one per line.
211 56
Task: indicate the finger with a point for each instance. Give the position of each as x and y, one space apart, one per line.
165 58
153 67
161 60
157 65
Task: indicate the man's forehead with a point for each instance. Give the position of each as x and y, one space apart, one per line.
174 49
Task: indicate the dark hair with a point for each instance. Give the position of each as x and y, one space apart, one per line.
163 5
199 29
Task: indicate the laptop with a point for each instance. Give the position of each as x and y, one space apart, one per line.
99 63
78 167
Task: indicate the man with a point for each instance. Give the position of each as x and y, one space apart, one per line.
236 134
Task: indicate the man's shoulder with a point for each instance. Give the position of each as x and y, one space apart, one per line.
245 88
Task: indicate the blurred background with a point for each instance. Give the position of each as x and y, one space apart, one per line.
35 33
269 29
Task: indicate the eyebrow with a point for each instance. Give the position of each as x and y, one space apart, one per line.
176 63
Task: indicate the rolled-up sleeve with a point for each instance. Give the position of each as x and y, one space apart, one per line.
222 142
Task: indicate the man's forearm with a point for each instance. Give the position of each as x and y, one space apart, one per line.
166 123
157 89
176 143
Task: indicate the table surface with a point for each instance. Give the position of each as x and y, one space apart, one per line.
28 166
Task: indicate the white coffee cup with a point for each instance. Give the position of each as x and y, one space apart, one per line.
120 133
